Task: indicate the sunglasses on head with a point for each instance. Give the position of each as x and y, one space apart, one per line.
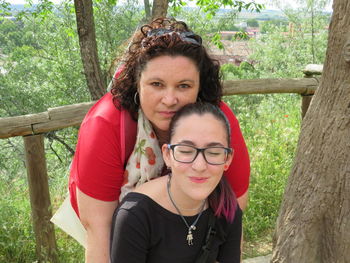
185 36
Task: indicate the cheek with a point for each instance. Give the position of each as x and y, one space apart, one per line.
177 166
142 93
147 99
217 172
195 93
189 97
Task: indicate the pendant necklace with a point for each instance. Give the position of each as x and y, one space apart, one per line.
192 227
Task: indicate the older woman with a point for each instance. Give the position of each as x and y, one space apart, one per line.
119 142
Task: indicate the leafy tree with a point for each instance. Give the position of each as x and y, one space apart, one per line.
285 54
310 10
244 71
269 25
252 22
114 26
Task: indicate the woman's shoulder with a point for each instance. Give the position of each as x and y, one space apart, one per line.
227 110
139 204
104 108
106 112
153 189
150 194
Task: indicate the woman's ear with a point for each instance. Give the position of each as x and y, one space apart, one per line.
228 161
166 154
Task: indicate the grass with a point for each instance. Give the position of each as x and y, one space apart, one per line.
17 239
270 124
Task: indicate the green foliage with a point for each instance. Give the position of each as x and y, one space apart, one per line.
5 9
41 65
285 54
16 243
244 71
207 29
240 35
270 25
43 61
211 7
216 40
252 22
270 125
114 26
17 237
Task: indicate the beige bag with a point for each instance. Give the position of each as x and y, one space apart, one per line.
66 219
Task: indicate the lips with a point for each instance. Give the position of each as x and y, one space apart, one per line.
167 114
198 180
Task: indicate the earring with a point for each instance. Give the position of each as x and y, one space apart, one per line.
135 98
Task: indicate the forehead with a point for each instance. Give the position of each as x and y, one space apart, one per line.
200 129
173 63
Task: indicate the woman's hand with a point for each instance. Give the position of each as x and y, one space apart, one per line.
96 217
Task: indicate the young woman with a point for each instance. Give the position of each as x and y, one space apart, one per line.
167 219
165 68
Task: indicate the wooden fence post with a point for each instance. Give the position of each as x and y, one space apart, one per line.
305 103
309 72
40 198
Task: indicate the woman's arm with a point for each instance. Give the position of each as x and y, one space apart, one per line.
243 200
96 217
239 171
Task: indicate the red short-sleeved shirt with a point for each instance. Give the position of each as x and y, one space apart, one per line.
97 168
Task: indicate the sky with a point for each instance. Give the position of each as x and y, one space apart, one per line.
268 3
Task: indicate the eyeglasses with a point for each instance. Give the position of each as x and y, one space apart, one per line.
215 155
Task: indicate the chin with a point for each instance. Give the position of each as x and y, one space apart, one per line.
163 127
200 196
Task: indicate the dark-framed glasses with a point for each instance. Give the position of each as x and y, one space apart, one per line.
214 155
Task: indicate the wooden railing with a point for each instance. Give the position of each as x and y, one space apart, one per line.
33 126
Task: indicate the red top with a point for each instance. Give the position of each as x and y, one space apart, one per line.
97 168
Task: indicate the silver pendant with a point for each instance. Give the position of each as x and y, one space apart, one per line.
190 238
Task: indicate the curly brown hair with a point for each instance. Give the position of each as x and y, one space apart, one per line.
165 37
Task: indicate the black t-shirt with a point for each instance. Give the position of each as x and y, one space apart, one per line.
143 231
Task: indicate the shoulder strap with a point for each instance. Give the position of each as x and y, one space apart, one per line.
205 251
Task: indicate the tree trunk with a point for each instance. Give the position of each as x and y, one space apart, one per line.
147 10
159 8
88 48
314 222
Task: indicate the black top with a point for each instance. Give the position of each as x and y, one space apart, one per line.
143 231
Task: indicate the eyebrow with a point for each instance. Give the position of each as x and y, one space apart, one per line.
161 80
212 144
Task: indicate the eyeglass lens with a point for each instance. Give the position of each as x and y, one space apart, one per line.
187 154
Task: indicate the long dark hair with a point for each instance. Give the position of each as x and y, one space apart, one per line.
171 38
222 200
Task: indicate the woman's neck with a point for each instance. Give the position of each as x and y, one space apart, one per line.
186 205
162 136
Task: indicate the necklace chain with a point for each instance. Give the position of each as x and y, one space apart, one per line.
189 237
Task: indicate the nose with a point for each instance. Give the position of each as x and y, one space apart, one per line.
199 164
169 97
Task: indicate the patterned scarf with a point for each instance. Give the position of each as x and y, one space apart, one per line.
146 160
